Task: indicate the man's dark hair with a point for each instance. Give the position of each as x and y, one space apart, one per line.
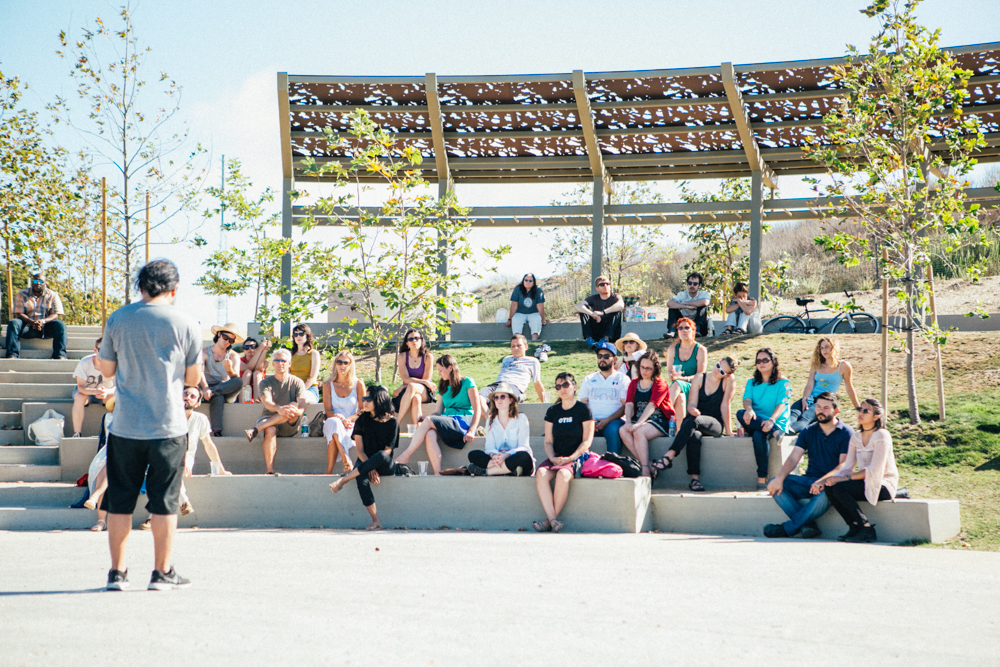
831 397
97 343
158 277
695 274
186 387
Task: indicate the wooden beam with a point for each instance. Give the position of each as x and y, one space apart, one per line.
437 129
589 135
285 124
742 120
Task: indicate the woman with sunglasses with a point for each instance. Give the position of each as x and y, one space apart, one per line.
415 364
527 304
221 381
631 347
708 415
305 361
456 419
647 409
508 445
691 357
569 432
875 479
766 398
826 373
376 434
342 399
253 365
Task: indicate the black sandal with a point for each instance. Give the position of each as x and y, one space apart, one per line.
696 485
664 463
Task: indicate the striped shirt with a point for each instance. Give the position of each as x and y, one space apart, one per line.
38 307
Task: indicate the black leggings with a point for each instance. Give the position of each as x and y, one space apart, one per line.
690 434
522 459
380 462
844 497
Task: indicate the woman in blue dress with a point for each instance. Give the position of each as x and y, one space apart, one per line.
766 398
827 372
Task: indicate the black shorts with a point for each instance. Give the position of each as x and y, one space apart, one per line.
450 430
160 462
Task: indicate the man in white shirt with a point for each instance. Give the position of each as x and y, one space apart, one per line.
518 370
605 391
199 430
91 387
691 303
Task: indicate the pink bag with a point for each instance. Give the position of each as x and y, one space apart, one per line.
595 466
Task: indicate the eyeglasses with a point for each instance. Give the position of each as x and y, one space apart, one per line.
603 284
563 385
367 399
765 360
281 361
864 411
684 327
247 348
412 339
298 334
343 362
229 338
605 356
501 397
718 367
646 368
693 283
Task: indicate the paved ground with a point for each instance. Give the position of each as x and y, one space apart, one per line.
470 598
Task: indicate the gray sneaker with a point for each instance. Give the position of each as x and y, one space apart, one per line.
117 580
168 581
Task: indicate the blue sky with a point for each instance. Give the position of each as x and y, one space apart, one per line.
226 55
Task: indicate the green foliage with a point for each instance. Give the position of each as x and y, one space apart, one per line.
388 260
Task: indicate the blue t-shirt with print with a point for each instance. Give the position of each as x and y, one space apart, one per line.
525 304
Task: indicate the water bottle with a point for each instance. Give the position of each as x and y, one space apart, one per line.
672 427
247 394
304 433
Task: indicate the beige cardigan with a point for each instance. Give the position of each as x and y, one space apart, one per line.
876 460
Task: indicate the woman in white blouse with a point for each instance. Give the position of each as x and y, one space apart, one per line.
875 479
508 447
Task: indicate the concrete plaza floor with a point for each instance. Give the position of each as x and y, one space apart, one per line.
291 597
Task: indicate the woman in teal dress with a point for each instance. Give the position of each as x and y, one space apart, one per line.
765 408
692 359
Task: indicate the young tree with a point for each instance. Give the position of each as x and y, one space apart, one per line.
898 149
127 130
392 256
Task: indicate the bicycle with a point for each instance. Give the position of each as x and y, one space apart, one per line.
843 323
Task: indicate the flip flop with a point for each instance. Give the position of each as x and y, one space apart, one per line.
557 525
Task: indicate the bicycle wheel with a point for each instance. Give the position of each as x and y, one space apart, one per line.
784 324
861 323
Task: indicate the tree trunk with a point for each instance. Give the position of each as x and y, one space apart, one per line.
911 382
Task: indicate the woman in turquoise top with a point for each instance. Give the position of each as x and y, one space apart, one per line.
456 419
826 373
692 359
765 408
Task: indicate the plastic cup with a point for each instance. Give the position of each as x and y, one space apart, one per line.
423 468
216 468
411 429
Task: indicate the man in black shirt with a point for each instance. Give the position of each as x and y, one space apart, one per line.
601 314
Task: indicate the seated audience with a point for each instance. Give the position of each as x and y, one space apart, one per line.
765 408
707 415
686 359
827 372
305 361
569 432
342 402
518 370
36 315
376 434
456 419
647 409
875 479
283 398
631 347
826 443
91 387
198 432
604 392
97 476
527 304
221 375
740 310
253 366
415 364
601 314
508 445
691 303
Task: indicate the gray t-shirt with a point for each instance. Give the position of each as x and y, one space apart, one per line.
525 304
520 372
153 345
282 393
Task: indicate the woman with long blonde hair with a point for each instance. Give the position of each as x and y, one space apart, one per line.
342 406
827 372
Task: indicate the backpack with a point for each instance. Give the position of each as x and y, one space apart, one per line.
630 467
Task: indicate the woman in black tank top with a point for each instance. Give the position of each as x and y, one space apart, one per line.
708 415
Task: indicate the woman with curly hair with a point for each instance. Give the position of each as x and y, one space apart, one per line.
765 408
648 409
826 373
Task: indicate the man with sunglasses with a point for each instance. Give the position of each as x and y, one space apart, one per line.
221 382
518 370
826 442
284 398
601 314
605 391
691 303
36 315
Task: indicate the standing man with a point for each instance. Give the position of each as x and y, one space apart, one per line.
36 315
152 350
601 314
605 391
691 303
517 370
284 399
826 442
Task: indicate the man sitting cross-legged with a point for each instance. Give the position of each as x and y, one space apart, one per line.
283 397
826 442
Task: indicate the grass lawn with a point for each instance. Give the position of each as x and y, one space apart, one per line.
958 459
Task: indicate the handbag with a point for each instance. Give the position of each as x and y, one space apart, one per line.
630 467
595 466
316 425
48 430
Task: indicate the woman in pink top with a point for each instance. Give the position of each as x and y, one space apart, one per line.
876 476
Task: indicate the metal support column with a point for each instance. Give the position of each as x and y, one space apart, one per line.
597 240
286 259
756 217
443 264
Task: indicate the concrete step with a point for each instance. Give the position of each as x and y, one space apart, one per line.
19 472
14 405
29 455
39 494
10 420
10 436
46 354
51 377
92 414
37 391
85 342
38 365
746 514
72 329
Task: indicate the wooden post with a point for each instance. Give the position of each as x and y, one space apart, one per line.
885 333
104 253
147 226
937 346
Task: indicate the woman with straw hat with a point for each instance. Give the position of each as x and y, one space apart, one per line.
221 381
632 348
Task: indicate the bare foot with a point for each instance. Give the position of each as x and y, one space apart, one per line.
347 467
337 486
374 525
